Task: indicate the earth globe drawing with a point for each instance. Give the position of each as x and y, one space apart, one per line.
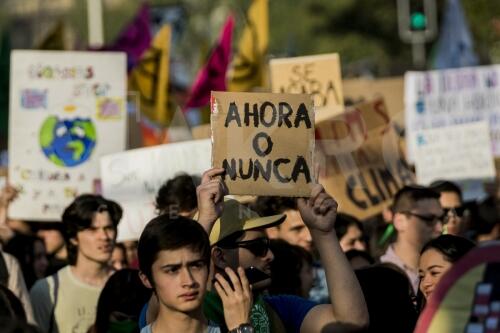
67 142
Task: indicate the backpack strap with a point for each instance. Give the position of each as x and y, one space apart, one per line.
4 272
55 278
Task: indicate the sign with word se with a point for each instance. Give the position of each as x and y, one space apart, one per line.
265 142
317 75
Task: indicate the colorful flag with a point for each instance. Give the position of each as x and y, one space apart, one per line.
135 38
150 79
54 39
455 47
213 75
247 69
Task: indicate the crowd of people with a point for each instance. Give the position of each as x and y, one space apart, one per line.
211 263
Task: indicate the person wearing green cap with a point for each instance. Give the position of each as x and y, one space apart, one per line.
238 239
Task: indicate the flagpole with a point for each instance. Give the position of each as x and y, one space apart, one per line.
95 23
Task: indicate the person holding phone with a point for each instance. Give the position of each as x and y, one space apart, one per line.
174 259
238 239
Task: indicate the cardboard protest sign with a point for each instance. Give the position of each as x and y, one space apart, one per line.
129 180
437 99
66 110
391 89
456 152
317 75
361 163
264 141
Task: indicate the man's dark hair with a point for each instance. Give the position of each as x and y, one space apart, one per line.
407 197
343 222
267 206
450 246
178 194
166 233
79 215
286 267
441 186
485 215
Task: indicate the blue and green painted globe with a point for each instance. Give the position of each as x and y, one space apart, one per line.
67 142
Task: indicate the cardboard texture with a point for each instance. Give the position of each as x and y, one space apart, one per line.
265 142
391 89
318 75
361 163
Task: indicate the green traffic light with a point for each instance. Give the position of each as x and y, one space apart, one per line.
418 21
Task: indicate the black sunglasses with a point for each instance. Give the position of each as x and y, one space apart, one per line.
458 211
430 220
259 246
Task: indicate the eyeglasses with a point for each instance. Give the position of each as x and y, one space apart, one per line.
259 246
429 220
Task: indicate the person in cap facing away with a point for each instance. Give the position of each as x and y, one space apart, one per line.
238 239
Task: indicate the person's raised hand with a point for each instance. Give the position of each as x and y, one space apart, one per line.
7 195
236 296
210 194
318 211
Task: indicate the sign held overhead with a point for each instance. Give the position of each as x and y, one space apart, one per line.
265 142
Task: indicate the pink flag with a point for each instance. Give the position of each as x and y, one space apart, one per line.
213 75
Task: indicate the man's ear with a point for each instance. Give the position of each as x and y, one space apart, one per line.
145 281
400 221
272 233
218 258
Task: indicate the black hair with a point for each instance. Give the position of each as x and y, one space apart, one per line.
267 206
166 233
484 216
114 299
388 299
441 186
286 266
79 215
450 246
178 194
343 222
23 248
351 254
406 198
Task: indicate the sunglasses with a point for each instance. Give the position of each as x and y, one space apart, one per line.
458 211
429 220
259 246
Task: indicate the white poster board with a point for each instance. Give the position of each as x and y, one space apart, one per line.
132 178
66 110
443 98
457 152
